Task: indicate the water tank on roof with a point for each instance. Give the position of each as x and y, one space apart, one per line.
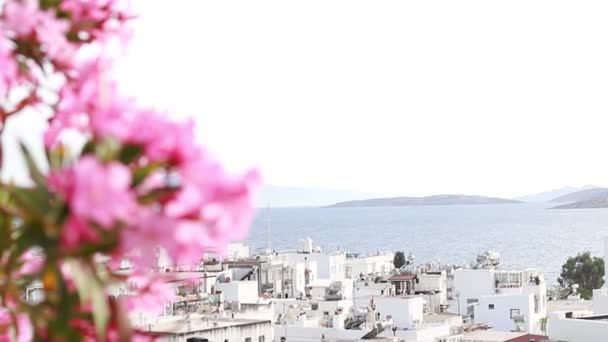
307 245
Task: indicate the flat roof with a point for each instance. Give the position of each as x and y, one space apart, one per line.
200 324
569 305
491 335
401 277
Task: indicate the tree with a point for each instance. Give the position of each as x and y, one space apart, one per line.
399 259
584 270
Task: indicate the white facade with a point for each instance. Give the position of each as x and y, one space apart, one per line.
405 311
600 296
502 311
329 265
560 328
377 264
516 286
239 291
215 330
431 281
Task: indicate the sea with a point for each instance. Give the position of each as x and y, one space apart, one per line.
528 235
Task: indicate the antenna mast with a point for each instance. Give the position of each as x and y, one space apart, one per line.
268 227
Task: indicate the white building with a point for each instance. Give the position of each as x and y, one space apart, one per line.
374 264
404 311
330 265
519 293
223 330
238 291
509 312
562 326
432 285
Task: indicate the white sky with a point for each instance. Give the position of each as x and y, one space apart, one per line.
395 97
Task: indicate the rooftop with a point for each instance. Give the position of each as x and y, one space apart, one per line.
491 335
569 305
401 277
200 324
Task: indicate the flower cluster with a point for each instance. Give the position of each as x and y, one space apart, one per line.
141 183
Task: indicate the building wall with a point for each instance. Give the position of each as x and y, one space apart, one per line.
600 301
337 266
560 328
239 291
329 266
500 316
431 282
381 264
470 284
292 333
405 311
258 332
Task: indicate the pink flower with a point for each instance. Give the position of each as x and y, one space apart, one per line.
32 263
96 192
24 327
153 294
162 139
21 17
107 17
76 232
142 239
101 192
51 32
9 70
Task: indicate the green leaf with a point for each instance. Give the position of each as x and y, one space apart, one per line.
35 201
142 173
46 4
156 195
129 153
90 289
107 149
35 173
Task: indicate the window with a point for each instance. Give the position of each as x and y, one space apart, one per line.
261 338
514 312
491 306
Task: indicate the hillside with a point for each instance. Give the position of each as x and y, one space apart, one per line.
292 196
583 195
547 196
601 202
419 201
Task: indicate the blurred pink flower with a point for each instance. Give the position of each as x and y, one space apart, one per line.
101 192
153 294
95 191
51 32
24 327
9 70
32 263
20 17
76 232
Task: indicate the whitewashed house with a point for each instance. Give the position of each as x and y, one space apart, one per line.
513 299
377 264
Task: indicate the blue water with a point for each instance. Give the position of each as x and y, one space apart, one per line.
524 234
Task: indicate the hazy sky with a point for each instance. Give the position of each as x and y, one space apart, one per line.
395 97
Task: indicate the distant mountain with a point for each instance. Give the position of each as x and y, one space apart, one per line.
547 196
429 200
595 203
292 196
583 195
